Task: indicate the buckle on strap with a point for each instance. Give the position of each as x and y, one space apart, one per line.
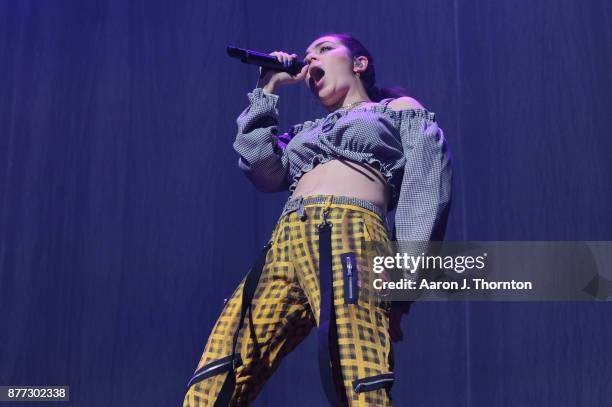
380 381
301 209
236 362
215 368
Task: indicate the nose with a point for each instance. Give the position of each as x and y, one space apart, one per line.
309 58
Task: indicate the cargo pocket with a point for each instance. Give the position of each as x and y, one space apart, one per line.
350 277
374 383
214 368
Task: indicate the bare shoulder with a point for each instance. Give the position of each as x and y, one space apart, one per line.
405 102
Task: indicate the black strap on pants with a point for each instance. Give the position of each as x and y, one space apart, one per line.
248 291
329 360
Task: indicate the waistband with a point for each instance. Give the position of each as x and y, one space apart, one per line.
298 203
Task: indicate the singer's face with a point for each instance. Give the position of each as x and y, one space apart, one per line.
330 74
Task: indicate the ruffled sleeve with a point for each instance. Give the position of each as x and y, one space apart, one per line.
425 195
262 157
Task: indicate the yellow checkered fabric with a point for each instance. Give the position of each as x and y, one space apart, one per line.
286 307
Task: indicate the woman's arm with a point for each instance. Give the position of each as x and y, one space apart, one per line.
425 193
261 159
425 196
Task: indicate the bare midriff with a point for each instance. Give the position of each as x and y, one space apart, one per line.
348 178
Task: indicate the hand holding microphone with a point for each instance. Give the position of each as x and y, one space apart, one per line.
275 69
279 78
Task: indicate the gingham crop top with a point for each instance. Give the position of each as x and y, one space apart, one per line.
407 146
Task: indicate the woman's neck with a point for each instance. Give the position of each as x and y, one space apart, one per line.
352 96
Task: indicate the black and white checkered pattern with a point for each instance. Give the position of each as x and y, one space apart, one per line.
407 146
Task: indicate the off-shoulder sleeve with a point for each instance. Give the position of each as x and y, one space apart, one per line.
425 195
261 158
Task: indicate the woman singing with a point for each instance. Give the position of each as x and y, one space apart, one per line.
376 151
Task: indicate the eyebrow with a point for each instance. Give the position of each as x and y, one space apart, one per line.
316 45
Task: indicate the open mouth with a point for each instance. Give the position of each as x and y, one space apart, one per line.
316 74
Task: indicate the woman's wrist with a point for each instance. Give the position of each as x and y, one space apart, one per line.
268 87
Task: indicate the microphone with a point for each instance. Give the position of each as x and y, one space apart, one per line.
264 60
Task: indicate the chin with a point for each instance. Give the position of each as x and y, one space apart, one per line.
326 97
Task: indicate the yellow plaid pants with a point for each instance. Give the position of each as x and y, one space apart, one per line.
286 306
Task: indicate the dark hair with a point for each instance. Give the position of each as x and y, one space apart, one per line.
368 77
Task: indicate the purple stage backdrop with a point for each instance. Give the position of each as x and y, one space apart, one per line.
125 221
